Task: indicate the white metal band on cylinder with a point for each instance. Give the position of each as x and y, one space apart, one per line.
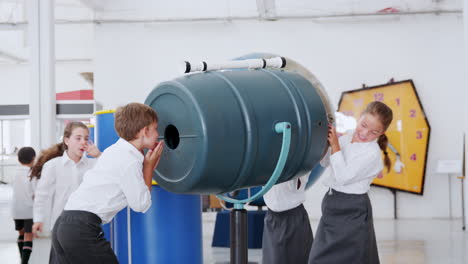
276 62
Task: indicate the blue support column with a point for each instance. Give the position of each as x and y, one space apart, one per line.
170 231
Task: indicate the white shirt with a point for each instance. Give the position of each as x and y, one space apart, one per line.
59 178
115 182
23 194
285 196
354 167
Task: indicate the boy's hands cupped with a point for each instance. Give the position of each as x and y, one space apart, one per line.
154 155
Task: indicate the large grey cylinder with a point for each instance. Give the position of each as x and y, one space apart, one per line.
219 128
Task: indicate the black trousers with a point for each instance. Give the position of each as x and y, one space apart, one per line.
287 237
77 237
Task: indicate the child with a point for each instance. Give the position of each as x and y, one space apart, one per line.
346 231
22 204
122 177
287 236
60 170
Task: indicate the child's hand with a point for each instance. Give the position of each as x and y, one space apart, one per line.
92 150
333 139
37 227
154 155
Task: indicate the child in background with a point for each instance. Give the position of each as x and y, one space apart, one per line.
122 177
346 230
22 204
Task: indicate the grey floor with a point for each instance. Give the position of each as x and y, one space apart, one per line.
438 241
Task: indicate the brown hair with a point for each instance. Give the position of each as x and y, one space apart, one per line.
385 115
131 118
56 150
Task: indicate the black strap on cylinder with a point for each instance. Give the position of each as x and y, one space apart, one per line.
284 62
187 67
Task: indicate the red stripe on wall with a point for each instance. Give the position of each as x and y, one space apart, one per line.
76 95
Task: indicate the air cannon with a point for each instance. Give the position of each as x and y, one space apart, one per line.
221 127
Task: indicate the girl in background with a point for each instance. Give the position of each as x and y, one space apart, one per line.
59 171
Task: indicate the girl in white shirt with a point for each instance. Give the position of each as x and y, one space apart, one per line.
287 235
59 171
346 231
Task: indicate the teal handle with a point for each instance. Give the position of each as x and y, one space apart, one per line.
285 129
393 149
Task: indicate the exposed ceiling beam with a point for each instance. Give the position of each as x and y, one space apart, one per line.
8 59
11 57
266 9
22 24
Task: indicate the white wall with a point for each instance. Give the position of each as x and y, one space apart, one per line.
131 59
68 78
15 86
74 54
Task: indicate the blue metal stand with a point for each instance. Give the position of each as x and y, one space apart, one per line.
239 253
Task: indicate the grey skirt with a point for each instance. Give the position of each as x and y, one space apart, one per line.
287 237
346 231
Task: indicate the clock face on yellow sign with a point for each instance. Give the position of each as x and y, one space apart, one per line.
408 133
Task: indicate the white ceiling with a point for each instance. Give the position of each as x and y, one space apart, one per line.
80 15
13 10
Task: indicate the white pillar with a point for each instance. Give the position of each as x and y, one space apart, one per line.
465 120
42 62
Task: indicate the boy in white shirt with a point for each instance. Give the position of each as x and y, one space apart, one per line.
22 204
121 177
